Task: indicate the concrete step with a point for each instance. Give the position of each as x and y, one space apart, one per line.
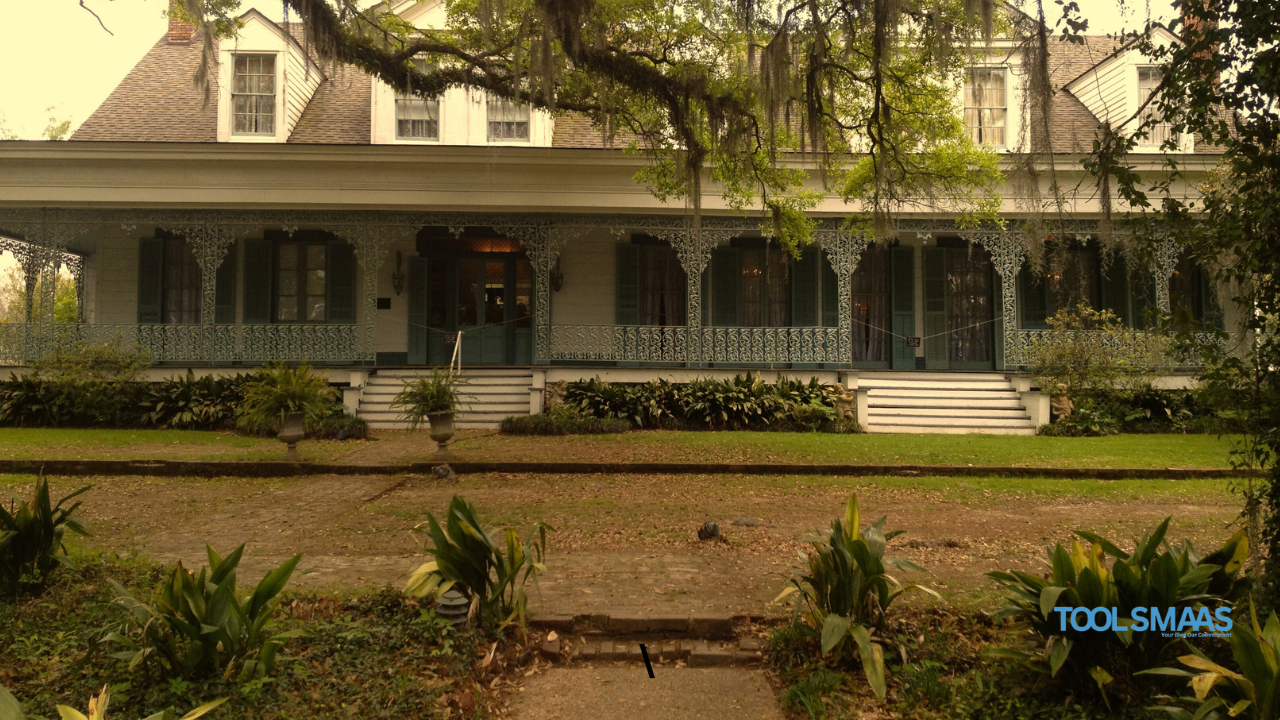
949 403
981 385
949 430
1002 394
931 376
942 421
1016 413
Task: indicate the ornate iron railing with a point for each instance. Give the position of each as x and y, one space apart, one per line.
21 343
736 345
1157 345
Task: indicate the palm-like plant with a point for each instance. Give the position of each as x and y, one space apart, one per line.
31 536
467 556
847 590
280 390
426 396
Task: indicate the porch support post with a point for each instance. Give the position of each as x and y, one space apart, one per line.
209 242
369 242
75 265
843 252
1007 255
693 247
542 242
1166 261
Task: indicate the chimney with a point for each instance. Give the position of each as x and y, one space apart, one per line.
180 31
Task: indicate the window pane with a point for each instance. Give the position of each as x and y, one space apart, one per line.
315 257
985 105
467 294
524 293
288 256
495 290
287 308
315 308
506 120
752 287
288 282
253 88
315 282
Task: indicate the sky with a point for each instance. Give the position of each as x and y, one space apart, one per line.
41 72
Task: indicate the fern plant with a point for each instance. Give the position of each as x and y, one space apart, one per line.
426 396
280 390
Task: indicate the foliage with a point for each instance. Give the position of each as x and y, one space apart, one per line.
197 627
745 402
408 661
191 403
1089 351
338 425
562 420
98 709
847 590
1219 692
13 296
110 362
31 537
1176 577
806 695
424 396
279 390
469 558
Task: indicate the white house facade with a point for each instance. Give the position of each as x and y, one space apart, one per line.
309 213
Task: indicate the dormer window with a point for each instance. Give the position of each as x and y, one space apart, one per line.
253 95
985 105
507 121
1149 79
417 118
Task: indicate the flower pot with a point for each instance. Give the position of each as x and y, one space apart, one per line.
441 432
291 431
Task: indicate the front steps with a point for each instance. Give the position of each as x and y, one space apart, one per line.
942 403
490 395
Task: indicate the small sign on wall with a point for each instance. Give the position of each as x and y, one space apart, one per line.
384 303
913 342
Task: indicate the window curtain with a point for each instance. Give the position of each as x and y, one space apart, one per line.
870 301
1073 277
180 293
662 300
765 287
969 305
984 111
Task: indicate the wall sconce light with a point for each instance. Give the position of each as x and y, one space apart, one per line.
557 277
397 277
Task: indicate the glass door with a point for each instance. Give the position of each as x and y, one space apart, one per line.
486 300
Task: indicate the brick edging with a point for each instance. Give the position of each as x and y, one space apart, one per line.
276 468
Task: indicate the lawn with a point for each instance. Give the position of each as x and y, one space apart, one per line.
1133 451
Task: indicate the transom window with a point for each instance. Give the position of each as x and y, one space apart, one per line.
1149 78
300 282
253 95
417 118
985 105
180 284
507 121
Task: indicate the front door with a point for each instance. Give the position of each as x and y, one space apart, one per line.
482 300
959 299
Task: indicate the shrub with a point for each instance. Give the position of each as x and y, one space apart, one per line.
847 591
424 396
468 557
338 425
31 545
191 403
1176 578
199 628
84 362
279 390
1253 693
596 398
562 420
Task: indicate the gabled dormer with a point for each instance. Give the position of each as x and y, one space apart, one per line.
265 80
1116 87
460 116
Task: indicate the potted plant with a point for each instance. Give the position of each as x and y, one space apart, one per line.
434 399
285 399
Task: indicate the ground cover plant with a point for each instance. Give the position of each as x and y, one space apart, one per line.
409 662
1157 578
31 538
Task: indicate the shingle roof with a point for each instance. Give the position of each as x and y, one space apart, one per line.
157 101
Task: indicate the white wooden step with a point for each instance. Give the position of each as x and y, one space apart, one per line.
1018 413
948 430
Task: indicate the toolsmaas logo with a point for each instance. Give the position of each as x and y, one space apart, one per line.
1190 622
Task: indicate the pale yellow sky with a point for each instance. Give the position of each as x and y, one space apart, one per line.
42 71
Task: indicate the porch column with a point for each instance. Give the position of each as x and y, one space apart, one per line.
693 247
1007 255
843 252
209 242
75 265
1166 261
542 242
369 242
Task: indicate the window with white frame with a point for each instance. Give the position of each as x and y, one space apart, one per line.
985 105
1149 79
507 121
253 95
417 118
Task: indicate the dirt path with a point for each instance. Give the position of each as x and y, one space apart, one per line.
622 545
626 692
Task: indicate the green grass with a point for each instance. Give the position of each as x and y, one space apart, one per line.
1136 451
105 444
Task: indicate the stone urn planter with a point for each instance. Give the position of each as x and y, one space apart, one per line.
441 432
292 431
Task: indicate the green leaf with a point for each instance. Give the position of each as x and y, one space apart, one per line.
1049 600
834 629
10 708
872 659
1059 649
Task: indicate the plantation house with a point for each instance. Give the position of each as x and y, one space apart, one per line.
308 213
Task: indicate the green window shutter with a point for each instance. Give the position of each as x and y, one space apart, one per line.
1033 300
340 283
1115 290
935 308
257 281
830 293
725 272
903 300
627 310
150 277
225 289
416 296
804 288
